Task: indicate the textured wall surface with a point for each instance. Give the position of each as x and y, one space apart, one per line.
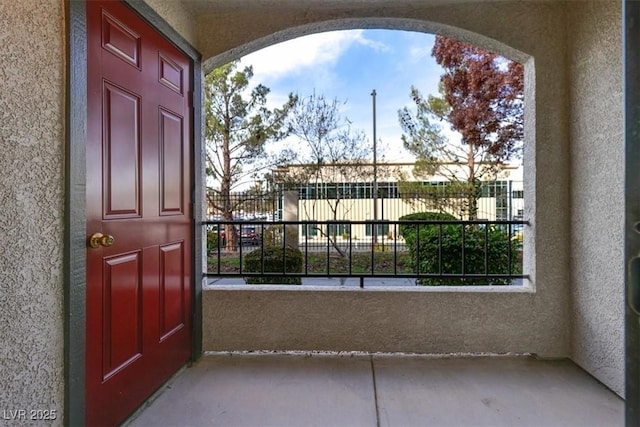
234 31
177 16
597 188
371 320
536 322
31 196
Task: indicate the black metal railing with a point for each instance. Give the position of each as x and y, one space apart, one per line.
431 252
245 205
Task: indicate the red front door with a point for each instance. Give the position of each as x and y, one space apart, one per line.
138 199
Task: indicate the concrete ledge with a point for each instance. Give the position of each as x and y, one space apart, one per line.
509 319
526 288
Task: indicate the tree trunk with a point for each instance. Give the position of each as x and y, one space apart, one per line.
471 196
225 192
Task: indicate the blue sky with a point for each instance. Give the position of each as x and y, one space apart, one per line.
348 65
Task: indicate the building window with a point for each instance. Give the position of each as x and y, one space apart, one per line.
494 189
309 230
381 229
338 229
388 190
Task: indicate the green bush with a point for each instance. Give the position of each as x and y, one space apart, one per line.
212 241
408 231
274 262
426 257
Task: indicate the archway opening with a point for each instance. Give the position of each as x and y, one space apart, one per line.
336 199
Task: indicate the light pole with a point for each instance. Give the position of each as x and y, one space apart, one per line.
375 172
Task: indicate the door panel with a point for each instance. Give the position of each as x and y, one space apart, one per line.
120 40
172 315
171 75
172 163
121 152
138 188
122 301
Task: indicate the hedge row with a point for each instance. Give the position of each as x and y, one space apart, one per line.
438 249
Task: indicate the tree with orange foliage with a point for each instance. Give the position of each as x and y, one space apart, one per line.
481 97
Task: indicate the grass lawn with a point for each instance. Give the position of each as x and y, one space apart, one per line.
319 263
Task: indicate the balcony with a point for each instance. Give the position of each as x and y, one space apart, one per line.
407 252
357 389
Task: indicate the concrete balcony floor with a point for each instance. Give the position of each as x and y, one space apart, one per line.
381 390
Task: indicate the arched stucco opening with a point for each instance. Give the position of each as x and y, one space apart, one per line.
401 24
423 26
535 318
531 318
577 310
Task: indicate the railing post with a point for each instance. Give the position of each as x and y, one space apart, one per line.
290 213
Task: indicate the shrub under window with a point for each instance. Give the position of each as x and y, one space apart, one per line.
277 259
439 249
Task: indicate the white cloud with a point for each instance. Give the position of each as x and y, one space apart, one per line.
310 52
378 46
417 53
313 63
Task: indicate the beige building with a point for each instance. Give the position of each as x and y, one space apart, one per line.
345 192
572 305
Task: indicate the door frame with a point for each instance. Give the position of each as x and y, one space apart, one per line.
75 237
631 60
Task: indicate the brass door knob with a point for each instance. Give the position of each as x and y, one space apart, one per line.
99 239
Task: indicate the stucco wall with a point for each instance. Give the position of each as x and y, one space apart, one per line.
369 320
436 321
597 188
178 15
31 196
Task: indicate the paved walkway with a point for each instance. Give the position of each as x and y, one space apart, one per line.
381 390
